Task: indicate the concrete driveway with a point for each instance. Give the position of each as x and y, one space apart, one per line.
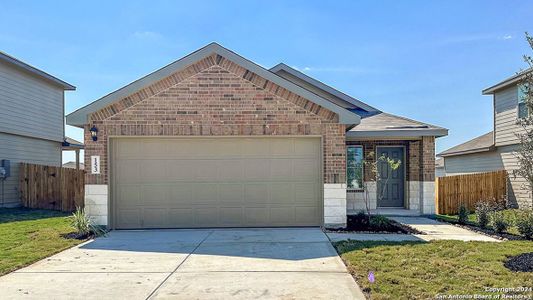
190 264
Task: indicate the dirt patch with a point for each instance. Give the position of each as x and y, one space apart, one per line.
520 263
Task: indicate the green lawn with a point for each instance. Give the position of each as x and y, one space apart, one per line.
510 216
423 270
28 235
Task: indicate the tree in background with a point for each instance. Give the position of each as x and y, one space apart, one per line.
525 120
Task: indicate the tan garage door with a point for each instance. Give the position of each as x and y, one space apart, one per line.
215 182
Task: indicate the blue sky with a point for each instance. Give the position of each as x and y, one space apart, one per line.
426 60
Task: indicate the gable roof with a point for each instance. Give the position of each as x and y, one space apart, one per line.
507 82
374 123
482 143
80 116
33 70
283 67
383 124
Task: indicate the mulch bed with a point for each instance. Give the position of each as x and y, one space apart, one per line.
520 263
486 231
82 237
355 224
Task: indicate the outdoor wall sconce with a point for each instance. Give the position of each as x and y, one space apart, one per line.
94 131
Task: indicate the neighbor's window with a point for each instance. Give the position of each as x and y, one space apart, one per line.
522 108
354 167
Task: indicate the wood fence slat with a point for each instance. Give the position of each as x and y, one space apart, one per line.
452 191
51 187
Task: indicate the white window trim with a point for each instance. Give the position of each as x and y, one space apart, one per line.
362 169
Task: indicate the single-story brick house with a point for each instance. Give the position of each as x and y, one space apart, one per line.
215 140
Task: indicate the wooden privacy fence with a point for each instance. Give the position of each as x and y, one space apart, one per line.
452 191
50 187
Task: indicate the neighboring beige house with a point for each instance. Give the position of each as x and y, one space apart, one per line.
31 121
215 140
495 150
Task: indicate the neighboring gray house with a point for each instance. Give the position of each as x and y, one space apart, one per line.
495 150
31 120
439 167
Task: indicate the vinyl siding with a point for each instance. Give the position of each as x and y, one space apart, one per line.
24 149
505 116
29 106
502 158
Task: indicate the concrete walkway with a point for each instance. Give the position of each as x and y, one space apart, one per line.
432 229
190 264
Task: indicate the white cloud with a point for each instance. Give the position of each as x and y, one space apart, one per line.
507 37
147 35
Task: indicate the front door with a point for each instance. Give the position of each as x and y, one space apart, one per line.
391 183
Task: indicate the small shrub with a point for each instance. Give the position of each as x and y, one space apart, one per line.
499 222
83 224
524 223
379 222
463 214
483 210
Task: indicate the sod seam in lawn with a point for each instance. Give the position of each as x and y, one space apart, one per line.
415 270
29 235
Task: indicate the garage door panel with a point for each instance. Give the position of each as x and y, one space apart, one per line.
206 170
232 194
155 217
205 193
130 193
207 216
182 194
282 147
230 170
156 148
128 171
281 169
181 170
256 193
305 214
231 216
281 215
216 182
251 148
128 148
256 169
281 193
155 195
305 169
256 216
129 218
305 193
153 170
306 147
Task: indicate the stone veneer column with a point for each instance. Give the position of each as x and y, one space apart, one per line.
96 203
334 205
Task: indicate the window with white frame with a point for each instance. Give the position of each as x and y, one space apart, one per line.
522 107
354 167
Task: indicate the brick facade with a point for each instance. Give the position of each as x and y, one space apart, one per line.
216 97
420 160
